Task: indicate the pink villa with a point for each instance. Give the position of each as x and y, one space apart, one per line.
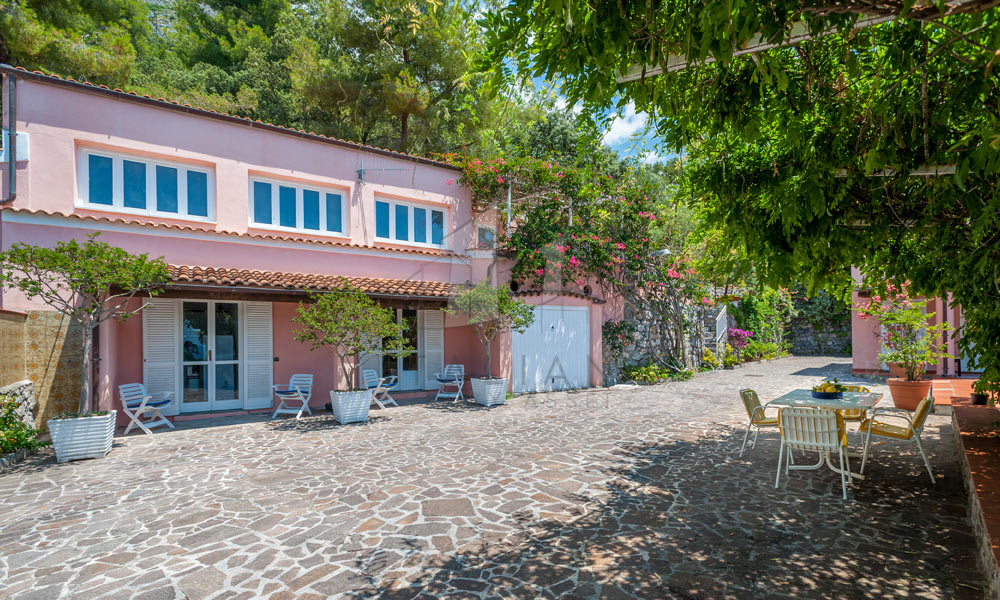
866 345
250 217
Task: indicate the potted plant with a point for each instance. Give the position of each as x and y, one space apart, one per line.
909 342
980 392
350 324
90 283
491 311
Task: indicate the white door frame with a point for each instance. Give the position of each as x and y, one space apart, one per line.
211 404
409 380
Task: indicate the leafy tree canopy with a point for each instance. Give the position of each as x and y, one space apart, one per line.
89 282
876 147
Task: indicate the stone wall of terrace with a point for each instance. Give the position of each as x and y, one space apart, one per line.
831 338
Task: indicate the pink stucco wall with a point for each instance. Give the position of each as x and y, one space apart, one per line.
60 121
865 344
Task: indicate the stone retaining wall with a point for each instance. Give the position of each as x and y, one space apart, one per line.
24 393
652 339
807 339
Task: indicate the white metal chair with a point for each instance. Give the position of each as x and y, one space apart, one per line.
453 377
814 430
915 421
298 390
379 387
136 403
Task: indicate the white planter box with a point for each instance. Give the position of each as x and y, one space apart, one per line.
82 437
350 407
489 392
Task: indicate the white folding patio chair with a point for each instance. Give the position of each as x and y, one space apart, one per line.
915 421
453 377
379 387
298 391
814 430
136 403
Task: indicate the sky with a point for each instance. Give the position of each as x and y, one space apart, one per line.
627 133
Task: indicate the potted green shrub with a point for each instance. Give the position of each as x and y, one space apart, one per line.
350 324
491 311
89 282
908 342
980 392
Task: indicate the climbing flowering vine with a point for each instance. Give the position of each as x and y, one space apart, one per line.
576 227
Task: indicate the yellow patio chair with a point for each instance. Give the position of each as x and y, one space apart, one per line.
854 414
756 414
915 426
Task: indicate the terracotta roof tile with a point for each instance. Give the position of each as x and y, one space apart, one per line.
209 228
170 104
593 299
187 275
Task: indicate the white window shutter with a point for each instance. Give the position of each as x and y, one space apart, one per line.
160 351
259 353
432 339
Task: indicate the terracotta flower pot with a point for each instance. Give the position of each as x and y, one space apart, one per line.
908 394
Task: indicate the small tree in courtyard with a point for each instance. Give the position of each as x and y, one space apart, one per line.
351 324
491 311
89 282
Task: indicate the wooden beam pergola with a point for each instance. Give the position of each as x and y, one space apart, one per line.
799 32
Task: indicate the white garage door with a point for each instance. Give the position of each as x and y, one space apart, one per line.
554 353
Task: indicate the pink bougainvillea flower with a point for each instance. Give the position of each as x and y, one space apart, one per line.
449 181
539 272
499 179
620 245
673 274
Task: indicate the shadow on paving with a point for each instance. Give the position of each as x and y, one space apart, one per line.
841 371
321 422
690 519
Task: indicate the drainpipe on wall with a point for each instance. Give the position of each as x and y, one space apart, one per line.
11 140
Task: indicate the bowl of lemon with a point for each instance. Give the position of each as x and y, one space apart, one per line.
828 390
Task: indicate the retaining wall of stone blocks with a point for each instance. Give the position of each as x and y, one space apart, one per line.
24 393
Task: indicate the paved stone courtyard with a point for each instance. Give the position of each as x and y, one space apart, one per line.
627 493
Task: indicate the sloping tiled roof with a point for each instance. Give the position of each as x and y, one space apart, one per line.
211 276
212 114
209 228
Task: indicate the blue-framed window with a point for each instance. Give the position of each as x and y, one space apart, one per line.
287 206
382 221
403 222
134 182
334 213
140 185
261 202
310 209
101 184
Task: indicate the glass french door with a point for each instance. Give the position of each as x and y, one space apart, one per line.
405 367
210 356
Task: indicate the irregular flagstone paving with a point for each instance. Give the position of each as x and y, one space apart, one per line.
622 493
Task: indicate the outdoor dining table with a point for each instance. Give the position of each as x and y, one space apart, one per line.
849 401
